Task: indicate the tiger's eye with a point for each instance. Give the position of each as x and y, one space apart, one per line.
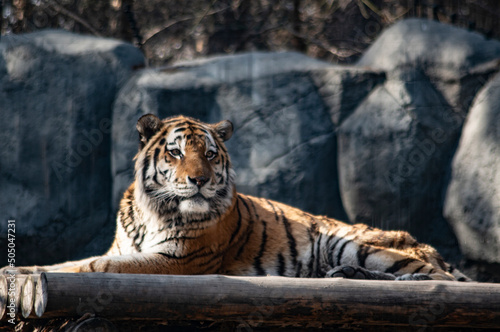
211 154
175 152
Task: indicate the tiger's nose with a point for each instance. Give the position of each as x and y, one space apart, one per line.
199 180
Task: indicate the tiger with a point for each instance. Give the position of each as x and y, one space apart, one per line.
183 215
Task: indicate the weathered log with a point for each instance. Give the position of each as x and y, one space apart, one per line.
20 278
15 284
27 296
261 301
3 296
40 302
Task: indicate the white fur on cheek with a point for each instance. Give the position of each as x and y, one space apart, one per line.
194 206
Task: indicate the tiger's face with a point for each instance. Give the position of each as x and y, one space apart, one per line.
183 168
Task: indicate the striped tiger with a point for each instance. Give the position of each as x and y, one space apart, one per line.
183 215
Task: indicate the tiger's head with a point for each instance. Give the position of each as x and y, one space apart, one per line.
182 168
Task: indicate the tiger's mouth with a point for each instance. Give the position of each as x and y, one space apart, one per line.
198 197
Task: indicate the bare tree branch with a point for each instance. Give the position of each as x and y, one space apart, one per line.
60 9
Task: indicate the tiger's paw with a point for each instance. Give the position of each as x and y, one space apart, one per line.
70 269
7 270
414 276
357 272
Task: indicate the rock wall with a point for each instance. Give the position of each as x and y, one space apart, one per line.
395 149
473 197
56 95
372 143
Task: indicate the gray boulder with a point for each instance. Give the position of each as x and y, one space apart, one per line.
395 148
56 92
393 152
284 146
472 202
457 62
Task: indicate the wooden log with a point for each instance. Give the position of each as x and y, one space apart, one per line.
3 296
267 301
15 284
27 296
40 295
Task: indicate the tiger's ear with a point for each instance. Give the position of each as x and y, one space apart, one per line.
147 126
224 129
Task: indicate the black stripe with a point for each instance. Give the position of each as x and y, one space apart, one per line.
190 255
398 265
274 210
177 238
145 166
210 267
281 265
222 193
318 245
291 240
341 251
121 215
160 135
332 250
223 161
257 261
130 194
254 210
157 152
118 247
419 268
314 226
363 253
209 253
238 225
310 264
170 120
138 238
299 269
217 257
249 233
441 263
179 130
131 215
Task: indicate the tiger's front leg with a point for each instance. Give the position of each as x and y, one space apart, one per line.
151 263
62 267
140 263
